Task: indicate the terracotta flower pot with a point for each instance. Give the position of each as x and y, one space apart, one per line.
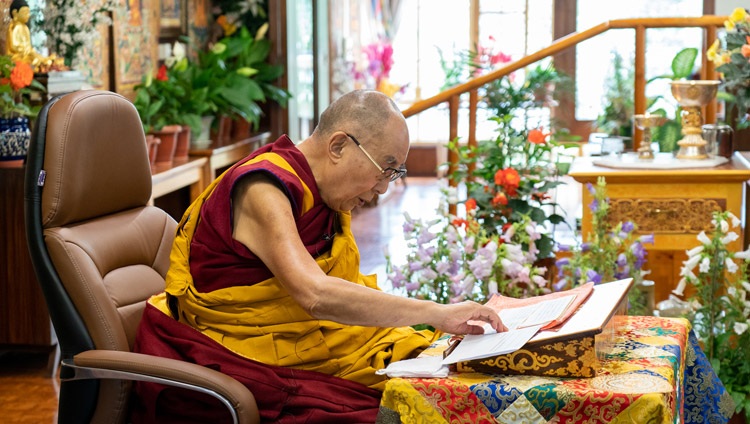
240 129
168 137
152 145
221 131
183 145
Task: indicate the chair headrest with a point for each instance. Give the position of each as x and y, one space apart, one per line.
95 159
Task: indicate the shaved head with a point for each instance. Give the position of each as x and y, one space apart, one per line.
359 112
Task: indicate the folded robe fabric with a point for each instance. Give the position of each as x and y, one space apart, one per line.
259 321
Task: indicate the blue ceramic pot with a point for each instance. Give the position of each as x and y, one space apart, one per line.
15 136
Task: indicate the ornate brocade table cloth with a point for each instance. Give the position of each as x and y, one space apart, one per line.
655 372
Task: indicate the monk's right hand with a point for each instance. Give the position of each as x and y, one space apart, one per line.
455 318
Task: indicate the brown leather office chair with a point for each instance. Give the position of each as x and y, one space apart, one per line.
99 251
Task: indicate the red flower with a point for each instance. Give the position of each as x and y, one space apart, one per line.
540 196
460 222
499 177
500 199
21 75
511 178
536 136
162 74
470 204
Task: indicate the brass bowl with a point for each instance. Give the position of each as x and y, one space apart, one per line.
694 93
649 121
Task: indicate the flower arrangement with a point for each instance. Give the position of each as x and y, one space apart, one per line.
374 69
730 56
611 253
721 305
453 259
72 24
465 64
511 179
17 84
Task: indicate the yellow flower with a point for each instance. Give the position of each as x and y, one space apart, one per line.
247 71
729 25
738 15
261 32
711 52
219 48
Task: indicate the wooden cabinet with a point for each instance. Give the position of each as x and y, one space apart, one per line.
674 205
24 320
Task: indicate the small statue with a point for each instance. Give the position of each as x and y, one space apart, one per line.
18 40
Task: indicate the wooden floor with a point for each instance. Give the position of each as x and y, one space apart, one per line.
28 396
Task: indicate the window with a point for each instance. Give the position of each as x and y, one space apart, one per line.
661 46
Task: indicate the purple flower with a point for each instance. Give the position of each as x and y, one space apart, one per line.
397 278
594 205
408 227
559 285
640 254
622 260
592 275
585 247
591 188
628 226
563 247
416 266
560 264
648 238
412 286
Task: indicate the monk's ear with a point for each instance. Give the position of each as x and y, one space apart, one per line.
336 146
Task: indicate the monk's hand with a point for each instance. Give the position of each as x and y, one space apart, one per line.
466 318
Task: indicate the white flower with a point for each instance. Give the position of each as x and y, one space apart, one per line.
735 221
691 263
746 285
705 265
679 291
744 255
492 287
732 291
695 251
703 238
688 273
731 266
724 226
740 327
730 237
452 195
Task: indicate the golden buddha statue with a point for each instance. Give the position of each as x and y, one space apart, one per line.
18 40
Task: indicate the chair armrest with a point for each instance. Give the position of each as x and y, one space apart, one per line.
112 364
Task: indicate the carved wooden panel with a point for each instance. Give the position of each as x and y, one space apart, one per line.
675 216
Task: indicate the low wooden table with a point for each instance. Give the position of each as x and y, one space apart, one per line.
223 155
189 174
675 205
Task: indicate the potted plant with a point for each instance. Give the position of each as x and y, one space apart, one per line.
247 78
17 87
190 101
157 104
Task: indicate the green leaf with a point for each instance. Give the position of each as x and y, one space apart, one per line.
683 62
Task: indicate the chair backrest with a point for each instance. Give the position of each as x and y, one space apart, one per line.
98 248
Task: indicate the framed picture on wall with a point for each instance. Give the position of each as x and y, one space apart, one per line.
134 44
172 18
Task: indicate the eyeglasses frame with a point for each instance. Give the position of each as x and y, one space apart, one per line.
395 173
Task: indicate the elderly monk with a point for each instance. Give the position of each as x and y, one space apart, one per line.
264 282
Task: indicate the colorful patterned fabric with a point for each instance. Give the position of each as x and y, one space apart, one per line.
654 372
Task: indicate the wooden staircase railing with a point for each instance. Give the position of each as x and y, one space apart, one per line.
640 25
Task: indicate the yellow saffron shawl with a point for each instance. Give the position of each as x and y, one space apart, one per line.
264 323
